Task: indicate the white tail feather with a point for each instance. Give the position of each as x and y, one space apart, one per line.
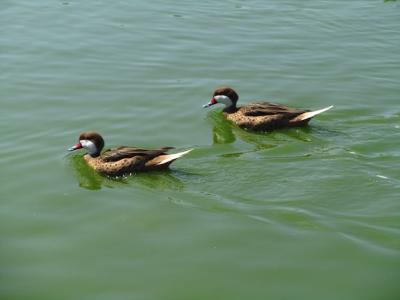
171 157
310 114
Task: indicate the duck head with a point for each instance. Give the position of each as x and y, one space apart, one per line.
91 141
224 95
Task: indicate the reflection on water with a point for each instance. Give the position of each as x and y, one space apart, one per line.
160 180
222 129
87 177
91 180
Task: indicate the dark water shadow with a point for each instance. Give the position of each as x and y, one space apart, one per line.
91 180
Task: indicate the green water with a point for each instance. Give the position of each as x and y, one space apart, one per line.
308 213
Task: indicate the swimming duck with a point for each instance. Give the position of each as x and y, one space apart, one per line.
122 160
261 116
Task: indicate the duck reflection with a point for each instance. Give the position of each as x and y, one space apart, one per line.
162 180
87 177
91 180
222 129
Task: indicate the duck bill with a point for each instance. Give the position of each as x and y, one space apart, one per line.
75 147
211 103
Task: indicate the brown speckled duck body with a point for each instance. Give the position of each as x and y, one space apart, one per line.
123 160
260 116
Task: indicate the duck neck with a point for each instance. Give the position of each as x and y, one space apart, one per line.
92 151
230 109
94 155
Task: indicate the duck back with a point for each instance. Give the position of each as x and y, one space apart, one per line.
265 116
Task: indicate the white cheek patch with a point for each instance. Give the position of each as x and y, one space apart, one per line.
224 100
89 146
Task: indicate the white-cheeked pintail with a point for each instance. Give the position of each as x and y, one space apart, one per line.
260 116
123 160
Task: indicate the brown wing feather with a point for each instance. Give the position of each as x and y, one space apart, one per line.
123 152
264 116
267 108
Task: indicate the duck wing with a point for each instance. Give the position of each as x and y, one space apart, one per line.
265 116
116 154
267 109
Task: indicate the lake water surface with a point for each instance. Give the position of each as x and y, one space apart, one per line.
311 213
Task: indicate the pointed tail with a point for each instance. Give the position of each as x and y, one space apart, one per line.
168 158
310 114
